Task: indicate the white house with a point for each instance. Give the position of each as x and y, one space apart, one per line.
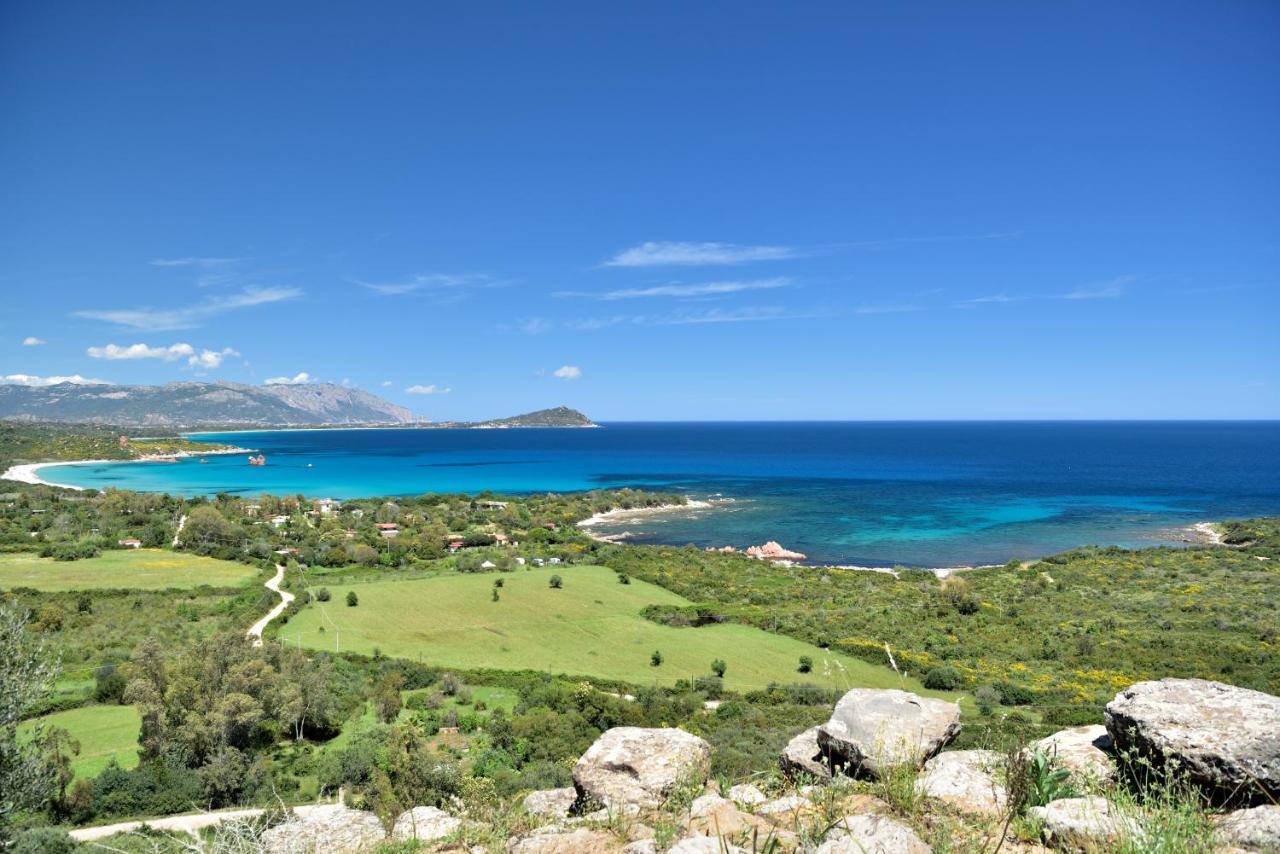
488 564
279 521
519 561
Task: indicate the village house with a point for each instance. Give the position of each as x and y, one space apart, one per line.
130 543
388 529
454 546
519 561
328 505
279 521
491 505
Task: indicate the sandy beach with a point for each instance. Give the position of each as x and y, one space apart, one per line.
30 472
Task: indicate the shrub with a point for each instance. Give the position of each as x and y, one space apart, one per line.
43 840
623 578
1012 694
655 660
718 667
352 599
555 582
944 678
806 664
109 684
323 594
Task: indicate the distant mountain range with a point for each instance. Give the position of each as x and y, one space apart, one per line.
199 404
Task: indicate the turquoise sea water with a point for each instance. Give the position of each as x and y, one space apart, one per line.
870 494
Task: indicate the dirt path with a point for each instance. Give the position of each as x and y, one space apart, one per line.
182 522
184 823
256 630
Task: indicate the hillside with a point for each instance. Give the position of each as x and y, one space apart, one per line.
189 404
560 416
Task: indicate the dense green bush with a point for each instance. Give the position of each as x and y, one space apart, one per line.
944 678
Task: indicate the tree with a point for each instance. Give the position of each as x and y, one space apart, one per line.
27 674
806 664
655 660
623 578
352 599
323 594
718 667
555 582
495 596
386 697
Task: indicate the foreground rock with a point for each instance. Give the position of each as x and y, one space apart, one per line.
963 779
332 830
1091 823
425 824
1226 739
745 793
634 766
872 834
581 841
712 815
1084 751
550 803
704 845
1256 829
802 755
872 730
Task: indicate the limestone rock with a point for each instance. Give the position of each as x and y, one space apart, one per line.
580 841
550 803
785 810
745 793
963 779
875 729
1089 823
332 830
638 766
1226 739
802 755
425 824
704 845
712 815
1256 829
872 834
1084 751
640 846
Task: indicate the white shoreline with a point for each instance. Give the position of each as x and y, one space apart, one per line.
29 472
624 513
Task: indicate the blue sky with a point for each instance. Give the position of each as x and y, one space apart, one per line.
653 211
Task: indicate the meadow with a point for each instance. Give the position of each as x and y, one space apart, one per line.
124 569
103 732
591 627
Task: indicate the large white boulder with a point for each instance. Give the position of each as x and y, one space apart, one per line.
550 803
964 779
1092 824
1085 751
872 730
635 766
1226 739
425 824
1256 829
802 755
580 841
326 830
872 834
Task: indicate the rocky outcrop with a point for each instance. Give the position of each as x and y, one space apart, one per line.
875 729
745 793
1224 738
785 810
1256 829
425 824
634 766
1085 751
773 551
963 779
872 834
580 841
1091 823
802 755
332 830
550 803
704 845
712 815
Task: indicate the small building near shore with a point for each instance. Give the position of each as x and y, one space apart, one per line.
130 543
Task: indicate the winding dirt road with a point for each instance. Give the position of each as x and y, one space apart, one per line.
256 630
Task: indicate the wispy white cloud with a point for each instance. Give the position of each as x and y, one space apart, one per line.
160 320
386 383
682 291
427 389
211 359
301 378
666 253
441 286
1102 290
114 352
753 314
33 341
202 263
40 382
567 372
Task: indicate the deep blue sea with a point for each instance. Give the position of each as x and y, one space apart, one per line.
870 494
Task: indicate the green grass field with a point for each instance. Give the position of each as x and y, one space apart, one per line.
592 627
133 569
104 732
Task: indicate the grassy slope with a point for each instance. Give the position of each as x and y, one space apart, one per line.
142 569
591 627
104 732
